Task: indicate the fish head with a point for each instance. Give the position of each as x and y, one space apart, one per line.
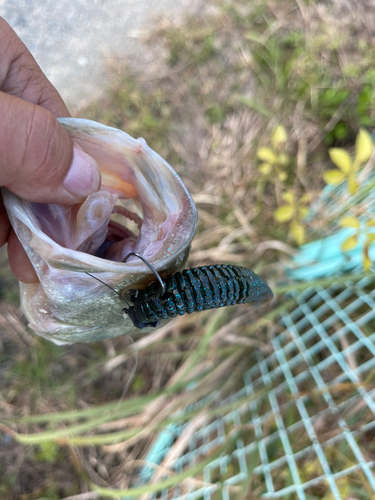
142 207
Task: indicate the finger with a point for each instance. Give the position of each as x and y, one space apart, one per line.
4 224
21 76
19 262
37 159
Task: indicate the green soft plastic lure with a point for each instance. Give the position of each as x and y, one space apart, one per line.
193 290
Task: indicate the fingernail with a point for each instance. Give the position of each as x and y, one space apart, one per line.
84 176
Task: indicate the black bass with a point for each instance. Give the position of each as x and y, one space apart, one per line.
64 243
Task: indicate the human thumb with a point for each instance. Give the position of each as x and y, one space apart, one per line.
38 160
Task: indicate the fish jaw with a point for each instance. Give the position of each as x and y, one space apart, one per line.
66 242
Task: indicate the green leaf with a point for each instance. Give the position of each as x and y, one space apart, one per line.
349 221
48 452
266 155
341 159
370 223
333 177
363 147
349 243
370 238
304 198
298 232
279 136
265 168
284 213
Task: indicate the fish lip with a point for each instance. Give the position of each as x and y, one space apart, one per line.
62 255
187 204
69 259
67 305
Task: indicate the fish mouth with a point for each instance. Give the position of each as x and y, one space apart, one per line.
142 206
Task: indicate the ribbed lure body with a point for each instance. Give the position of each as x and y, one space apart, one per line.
198 289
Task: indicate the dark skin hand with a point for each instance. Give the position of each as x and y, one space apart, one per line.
38 160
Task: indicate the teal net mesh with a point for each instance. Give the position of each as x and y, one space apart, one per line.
312 426
307 422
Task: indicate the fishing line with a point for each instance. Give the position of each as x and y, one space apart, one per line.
108 286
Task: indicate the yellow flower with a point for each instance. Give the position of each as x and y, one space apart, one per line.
294 210
274 159
348 168
362 231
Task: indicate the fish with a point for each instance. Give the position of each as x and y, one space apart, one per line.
77 251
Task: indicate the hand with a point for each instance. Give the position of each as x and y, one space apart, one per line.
38 160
